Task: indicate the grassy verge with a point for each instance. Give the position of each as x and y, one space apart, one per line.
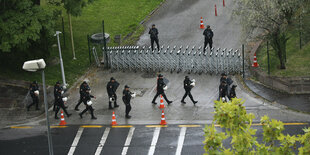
298 60
120 16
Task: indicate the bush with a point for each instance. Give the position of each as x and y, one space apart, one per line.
237 123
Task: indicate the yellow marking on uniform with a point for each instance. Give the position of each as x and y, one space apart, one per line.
91 126
217 125
190 126
21 127
122 126
58 126
154 126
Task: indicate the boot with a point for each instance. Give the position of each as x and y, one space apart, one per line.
183 102
115 105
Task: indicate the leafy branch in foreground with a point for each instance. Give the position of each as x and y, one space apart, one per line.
237 123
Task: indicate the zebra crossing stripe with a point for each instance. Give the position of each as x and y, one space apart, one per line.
102 141
128 140
75 141
181 141
154 141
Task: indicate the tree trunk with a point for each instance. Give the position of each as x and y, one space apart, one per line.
278 42
71 35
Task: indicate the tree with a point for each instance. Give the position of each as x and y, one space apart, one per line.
23 23
237 123
74 8
271 17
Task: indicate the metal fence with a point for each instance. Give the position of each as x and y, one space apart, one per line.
175 59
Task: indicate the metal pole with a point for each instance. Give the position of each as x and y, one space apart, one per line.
89 50
243 61
60 58
268 58
49 136
63 30
105 53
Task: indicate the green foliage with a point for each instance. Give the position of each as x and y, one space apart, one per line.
233 117
269 18
120 16
297 63
74 7
22 23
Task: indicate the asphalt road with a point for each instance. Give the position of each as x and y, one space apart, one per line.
106 140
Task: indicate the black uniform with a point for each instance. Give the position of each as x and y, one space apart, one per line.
111 89
35 98
187 86
222 90
87 97
60 104
228 81
57 87
126 100
160 90
208 33
154 37
83 87
232 93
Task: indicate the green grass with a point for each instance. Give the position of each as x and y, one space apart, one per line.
298 61
120 16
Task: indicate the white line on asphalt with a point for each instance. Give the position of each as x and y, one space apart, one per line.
128 140
75 141
181 141
154 141
102 141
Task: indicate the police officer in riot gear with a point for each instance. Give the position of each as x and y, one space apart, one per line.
126 99
228 80
87 102
59 102
111 89
83 87
160 89
34 93
188 87
56 88
208 33
223 90
154 37
232 93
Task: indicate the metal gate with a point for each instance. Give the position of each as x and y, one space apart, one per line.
175 59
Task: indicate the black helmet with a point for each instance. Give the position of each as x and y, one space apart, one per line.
57 82
112 78
34 82
186 77
160 75
127 86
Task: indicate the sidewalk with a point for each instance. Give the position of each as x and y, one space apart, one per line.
296 102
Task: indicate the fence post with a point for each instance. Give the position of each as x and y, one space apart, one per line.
89 49
105 48
268 58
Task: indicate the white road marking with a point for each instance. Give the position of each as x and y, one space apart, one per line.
181 141
76 141
154 141
102 141
128 140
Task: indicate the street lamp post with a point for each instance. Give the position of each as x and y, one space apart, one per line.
61 62
33 66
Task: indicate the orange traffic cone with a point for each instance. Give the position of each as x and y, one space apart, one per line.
255 64
163 119
161 106
62 119
215 10
201 23
113 119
